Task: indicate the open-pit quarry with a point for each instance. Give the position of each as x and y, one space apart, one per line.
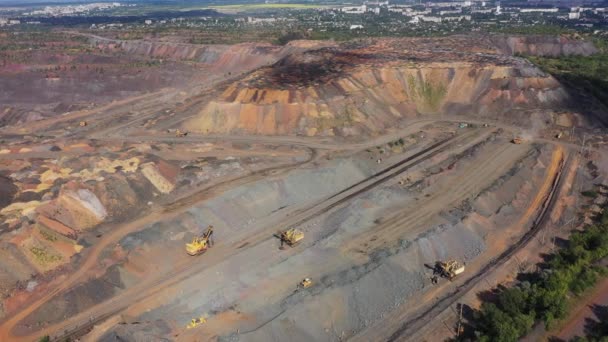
388 154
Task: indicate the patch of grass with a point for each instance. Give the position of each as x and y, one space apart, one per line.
429 93
48 235
43 256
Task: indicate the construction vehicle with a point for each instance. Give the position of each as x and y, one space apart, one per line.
200 244
195 322
517 140
179 133
291 237
306 282
82 123
449 269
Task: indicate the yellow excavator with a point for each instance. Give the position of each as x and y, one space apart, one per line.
291 237
200 244
306 282
449 269
195 322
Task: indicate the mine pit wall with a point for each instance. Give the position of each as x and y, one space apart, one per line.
541 45
370 100
224 58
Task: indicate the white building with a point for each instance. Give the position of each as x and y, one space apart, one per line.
574 15
356 27
538 10
354 9
148 22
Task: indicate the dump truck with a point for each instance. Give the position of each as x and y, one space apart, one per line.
200 244
449 269
291 237
306 282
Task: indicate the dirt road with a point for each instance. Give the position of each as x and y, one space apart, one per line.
575 325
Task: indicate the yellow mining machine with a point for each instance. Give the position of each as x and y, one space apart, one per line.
449 269
83 123
291 237
306 282
180 134
195 322
200 244
517 140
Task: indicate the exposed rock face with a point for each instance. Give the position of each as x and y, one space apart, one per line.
225 58
7 191
551 46
355 91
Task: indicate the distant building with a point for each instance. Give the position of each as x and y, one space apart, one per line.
148 22
539 10
356 27
354 9
14 22
375 10
430 19
574 15
3 21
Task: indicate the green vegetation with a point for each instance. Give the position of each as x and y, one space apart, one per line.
589 193
535 29
546 294
246 7
46 338
47 235
43 256
584 73
430 94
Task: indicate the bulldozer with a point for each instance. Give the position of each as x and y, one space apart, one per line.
291 237
449 269
200 244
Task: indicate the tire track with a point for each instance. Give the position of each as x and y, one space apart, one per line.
554 173
183 271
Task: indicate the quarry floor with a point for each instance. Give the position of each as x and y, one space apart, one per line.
373 219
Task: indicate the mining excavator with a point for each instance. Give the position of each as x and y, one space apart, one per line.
449 269
306 282
195 322
291 237
200 244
